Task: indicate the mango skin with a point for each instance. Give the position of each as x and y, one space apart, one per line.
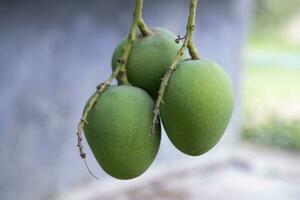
149 58
198 106
118 132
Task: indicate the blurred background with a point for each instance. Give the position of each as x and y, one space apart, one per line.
54 53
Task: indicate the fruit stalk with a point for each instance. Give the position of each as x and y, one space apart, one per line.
141 23
144 28
188 43
137 20
190 30
120 69
100 89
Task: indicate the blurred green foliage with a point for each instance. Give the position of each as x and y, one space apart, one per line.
271 94
275 132
271 102
271 14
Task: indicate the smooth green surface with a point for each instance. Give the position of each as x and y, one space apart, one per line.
149 59
118 132
198 106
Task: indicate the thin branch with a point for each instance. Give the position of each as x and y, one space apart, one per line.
188 43
120 69
144 28
193 51
141 23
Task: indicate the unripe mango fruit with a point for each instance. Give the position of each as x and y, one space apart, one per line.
149 58
118 131
198 104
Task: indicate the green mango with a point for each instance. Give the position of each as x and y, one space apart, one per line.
149 58
198 104
118 131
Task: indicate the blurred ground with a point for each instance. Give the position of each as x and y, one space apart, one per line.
248 173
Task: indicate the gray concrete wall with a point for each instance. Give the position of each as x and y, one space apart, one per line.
54 53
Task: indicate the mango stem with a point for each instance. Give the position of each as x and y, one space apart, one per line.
188 43
120 69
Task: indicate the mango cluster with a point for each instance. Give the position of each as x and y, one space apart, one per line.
198 103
